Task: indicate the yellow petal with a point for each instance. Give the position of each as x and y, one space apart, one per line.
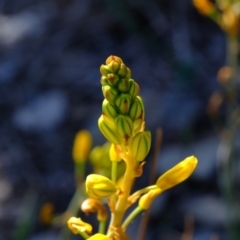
177 174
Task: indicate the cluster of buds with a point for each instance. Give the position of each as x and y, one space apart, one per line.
122 119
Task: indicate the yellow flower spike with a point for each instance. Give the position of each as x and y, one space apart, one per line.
98 186
113 58
82 146
177 174
94 205
99 236
113 154
76 225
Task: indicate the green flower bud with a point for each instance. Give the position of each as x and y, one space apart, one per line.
109 111
133 88
104 70
123 103
128 72
113 66
123 85
98 186
136 109
109 131
140 145
124 126
110 93
112 79
123 70
103 81
137 125
114 58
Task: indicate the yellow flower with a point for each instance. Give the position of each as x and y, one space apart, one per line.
205 7
177 174
76 225
98 186
99 236
81 146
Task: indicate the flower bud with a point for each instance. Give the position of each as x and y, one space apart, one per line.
114 58
136 109
113 66
82 146
123 85
109 131
98 186
140 145
112 79
128 73
146 200
109 111
76 225
123 102
110 93
177 174
113 154
99 236
133 88
104 70
103 81
124 126
123 70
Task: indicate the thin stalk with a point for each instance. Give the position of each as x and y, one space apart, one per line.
102 227
114 171
131 216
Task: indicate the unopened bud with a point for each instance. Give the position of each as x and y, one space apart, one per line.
112 79
136 109
110 93
123 85
140 145
177 174
123 102
113 66
128 72
123 70
133 88
98 186
109 111
113 58
104 70
109 131
124 126
103 81
146 200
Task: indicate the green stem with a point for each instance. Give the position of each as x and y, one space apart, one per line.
102 227
131 216
84 235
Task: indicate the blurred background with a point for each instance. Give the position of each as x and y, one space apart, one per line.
50 53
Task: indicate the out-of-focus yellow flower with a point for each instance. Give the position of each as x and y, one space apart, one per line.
98 186
230 21
205 7
76 225
81 146
99 236
177 174
46 213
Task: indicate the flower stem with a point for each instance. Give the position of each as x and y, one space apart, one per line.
131 216
102 226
